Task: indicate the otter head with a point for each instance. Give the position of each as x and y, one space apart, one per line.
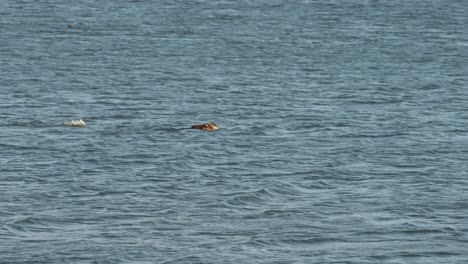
211 126
206 126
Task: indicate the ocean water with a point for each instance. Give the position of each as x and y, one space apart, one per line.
344 131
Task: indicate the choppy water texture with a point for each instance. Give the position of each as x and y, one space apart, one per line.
344 131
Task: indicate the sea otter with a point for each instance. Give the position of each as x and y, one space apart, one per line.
207 126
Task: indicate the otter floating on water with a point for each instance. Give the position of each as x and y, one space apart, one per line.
207 126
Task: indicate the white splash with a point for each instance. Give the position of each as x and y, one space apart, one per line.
75 123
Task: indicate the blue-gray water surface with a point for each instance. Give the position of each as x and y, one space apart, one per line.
344 131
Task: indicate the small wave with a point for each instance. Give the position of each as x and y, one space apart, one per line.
29 225
32 123
247 198
18 147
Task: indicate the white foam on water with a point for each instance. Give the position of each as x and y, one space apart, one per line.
75 123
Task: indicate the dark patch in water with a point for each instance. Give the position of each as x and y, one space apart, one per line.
430 87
